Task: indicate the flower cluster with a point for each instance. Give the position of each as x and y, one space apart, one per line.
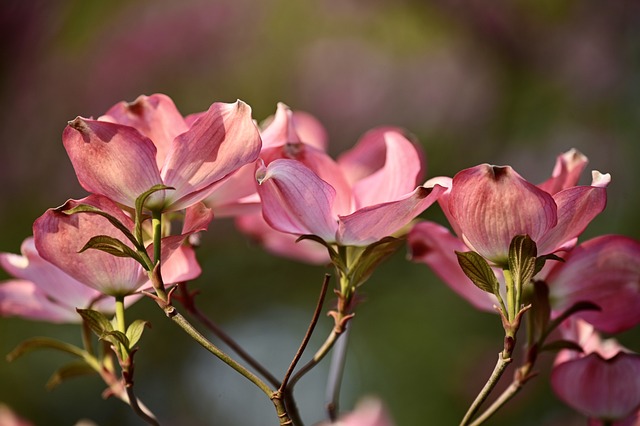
150 170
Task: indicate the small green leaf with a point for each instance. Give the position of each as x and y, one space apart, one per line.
134 332
44 343
479 272
86 208
114 247
371 257
522 259
140 201
541 260
96 320
73 369
116 338
559 345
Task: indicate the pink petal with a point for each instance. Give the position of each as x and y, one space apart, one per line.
181 266
566 173
295 200
281 130
59 237
154 116
310 130
382 167
606 271
604 389
373 223
433 245
282 244
577 207
111 160
493 204
26 300
237 194
51 280
218 143
197 218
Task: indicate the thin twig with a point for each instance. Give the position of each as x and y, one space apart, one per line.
307 336
133 402
336 371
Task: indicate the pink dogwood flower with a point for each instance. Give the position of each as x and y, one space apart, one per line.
59 238
494 204
602 382
369 412
138 145
354 202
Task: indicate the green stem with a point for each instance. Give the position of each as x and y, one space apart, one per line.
156 224
511 295
121 324
319 355
501 365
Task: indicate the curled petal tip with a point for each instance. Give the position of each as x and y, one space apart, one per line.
79 124
261 173
600 180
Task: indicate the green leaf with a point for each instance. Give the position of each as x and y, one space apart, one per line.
371 257
134 332
73 369
114 247
97 321
522 259
333 254
116 338
86 208
541 260
559 345
36 343
479 272
140 201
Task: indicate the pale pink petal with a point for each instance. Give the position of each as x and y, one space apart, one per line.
111 159
566 173
154 116
577 207
435 246
600 180
281 129
52 281
196 219
237 194
369 412
606 271
280 243
321 164
371 224
181 266
59 237
218 143
310 130
26 300
443 200
383 166
607 389
584 334
295 200
493 204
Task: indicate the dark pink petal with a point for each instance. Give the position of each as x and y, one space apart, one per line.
111 159
577 207
493 204
566 173
282 244
606 389
606 271
382 167
371 224
295 200
433 245
218 143
26 300
59 237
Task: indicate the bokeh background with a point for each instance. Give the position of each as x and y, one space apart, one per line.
504 82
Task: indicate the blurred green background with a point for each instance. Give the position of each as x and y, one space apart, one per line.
504 82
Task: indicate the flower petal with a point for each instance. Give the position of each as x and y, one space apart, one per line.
566 173
493 204
218 143
24 299
577 207
111 160
373 223
606 271
59 237
606 389
435 246
154 116
382 167
295 200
